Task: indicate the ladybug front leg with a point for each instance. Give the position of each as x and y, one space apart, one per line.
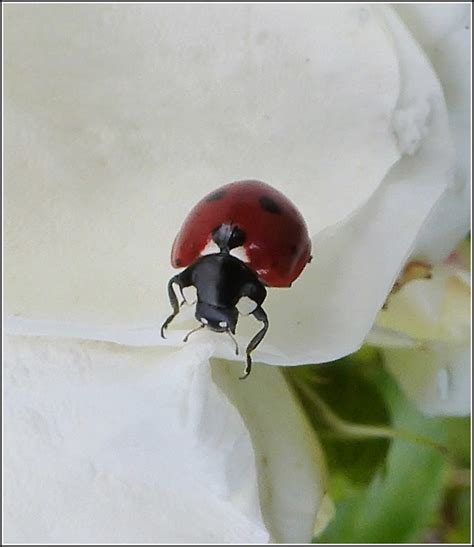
260 315
182 280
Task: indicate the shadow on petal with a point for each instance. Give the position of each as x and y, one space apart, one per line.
290 462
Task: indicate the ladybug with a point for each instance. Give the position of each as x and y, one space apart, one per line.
238 240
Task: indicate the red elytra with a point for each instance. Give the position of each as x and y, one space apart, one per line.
277 242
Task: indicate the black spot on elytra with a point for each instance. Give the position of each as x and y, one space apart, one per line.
269 205
293 250
216 196
178 262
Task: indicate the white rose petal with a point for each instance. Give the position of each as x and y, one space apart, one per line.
118 118
425 334
389 338
291 483
112 444
444 32
331 308
433 316
431 309
436 377
432 23
356 263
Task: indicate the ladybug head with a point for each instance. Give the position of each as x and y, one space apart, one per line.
216 318
222 283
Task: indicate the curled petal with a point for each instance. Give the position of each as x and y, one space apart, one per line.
119 118
437 377
430 310
430 24
110 444
104 260
444 32
356 262
424 333
290 462
142 445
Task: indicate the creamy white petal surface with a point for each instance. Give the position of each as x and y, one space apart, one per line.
425 330
436 377
444 32
90 244
79 249
292 485
105 443
436 309
425 334
119 117
356 263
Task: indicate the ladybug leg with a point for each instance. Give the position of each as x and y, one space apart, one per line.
181 281
183 299
260 315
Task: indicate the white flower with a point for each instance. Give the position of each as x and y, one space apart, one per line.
443 30
117 119
112 444
425 332
426 326
123 116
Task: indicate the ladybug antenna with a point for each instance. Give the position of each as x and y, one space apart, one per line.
185 339
235 342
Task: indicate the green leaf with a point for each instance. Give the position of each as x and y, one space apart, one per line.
457 436
347 389
464 250
384 493
459 517
402 502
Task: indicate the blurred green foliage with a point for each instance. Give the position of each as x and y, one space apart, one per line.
352 395
385 491
457 516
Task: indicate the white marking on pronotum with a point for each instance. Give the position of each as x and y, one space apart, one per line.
246 305
210 248
222 324
204 321
240 253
